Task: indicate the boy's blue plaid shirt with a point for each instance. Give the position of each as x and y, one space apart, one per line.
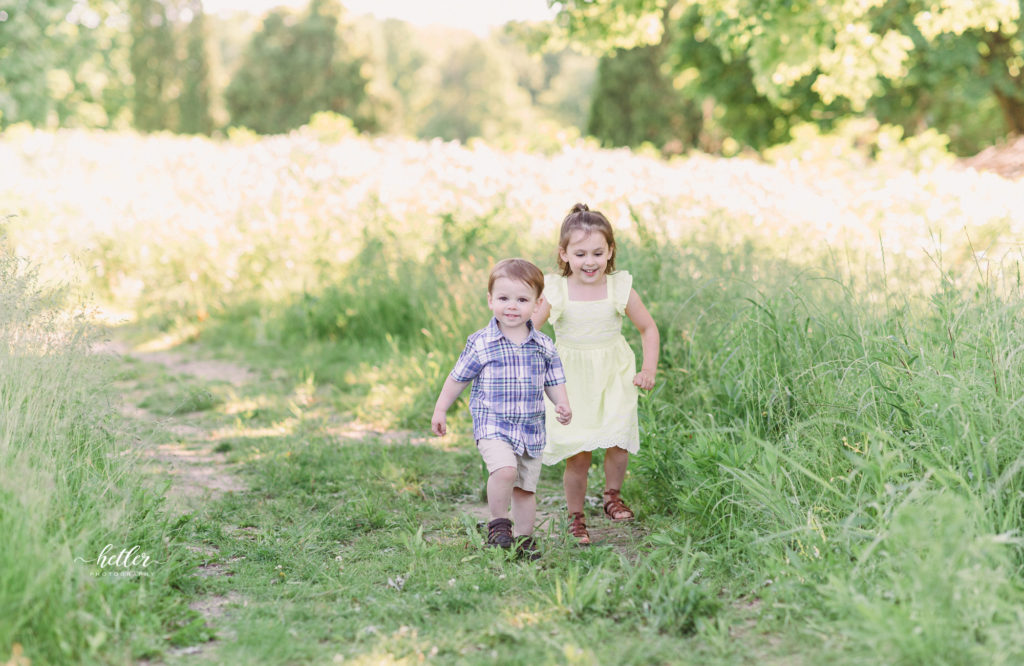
507 396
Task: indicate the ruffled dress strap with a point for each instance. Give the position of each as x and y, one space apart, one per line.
556 292
620 283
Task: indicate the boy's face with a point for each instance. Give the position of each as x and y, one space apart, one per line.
512 302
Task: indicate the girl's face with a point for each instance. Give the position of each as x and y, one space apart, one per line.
587 254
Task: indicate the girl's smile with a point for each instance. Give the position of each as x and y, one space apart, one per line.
587 254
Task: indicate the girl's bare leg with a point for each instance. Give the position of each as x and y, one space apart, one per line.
524 511
574 480
615 462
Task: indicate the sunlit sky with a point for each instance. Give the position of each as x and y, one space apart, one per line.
476 15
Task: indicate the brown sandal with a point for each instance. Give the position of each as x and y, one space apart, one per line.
615 508
578 528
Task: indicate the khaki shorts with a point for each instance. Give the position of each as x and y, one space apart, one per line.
498 454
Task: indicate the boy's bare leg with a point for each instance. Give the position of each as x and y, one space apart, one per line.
524 511
574 480
499 491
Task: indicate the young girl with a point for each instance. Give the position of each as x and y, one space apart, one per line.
586 304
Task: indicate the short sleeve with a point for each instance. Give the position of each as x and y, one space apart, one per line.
621 285
555 374
555 293
468 367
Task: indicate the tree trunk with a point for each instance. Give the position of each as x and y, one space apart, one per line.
1007 87
1013 112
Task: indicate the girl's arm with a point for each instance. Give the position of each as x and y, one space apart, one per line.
540 317
450 392
650 340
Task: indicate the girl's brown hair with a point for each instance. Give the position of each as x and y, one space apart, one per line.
581 218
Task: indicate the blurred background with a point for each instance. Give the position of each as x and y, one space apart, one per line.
719 77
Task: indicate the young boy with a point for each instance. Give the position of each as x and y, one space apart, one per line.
511 365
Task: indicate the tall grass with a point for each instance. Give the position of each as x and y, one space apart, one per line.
837 424
66 491
856 450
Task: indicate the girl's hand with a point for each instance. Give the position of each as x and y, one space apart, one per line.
439 424
644 379
563 413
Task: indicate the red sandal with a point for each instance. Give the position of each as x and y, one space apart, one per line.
578 528
615 508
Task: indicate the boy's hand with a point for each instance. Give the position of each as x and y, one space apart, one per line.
644 379
563 413
439 424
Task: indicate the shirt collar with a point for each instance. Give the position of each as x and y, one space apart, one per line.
492 332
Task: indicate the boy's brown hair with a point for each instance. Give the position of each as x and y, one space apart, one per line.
517 269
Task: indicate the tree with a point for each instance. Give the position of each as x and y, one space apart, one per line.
837 55
194 103
28 51
295 66
153 60
62 62
635 102
476 96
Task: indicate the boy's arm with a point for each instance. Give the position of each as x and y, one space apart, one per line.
650 340
558 395
450 392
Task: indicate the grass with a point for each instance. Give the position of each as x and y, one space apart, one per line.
830 466
67 493
370 549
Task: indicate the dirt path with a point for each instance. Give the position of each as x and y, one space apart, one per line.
186 450
182 449
197 471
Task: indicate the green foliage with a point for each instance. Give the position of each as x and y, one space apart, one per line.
67 491
932 577
634 102
181 398
195 101
476 96
153 61
767 65
833 447
63 63
294 67
965 84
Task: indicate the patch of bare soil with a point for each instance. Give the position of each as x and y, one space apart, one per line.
210 370
197 473
1005 159
551 524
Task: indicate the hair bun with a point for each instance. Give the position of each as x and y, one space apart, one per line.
579 208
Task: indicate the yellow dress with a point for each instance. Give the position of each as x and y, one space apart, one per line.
599 370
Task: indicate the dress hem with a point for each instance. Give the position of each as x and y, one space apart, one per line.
550 459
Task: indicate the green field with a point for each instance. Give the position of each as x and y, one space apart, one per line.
224 354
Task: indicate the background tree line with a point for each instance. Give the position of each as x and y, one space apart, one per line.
717 75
